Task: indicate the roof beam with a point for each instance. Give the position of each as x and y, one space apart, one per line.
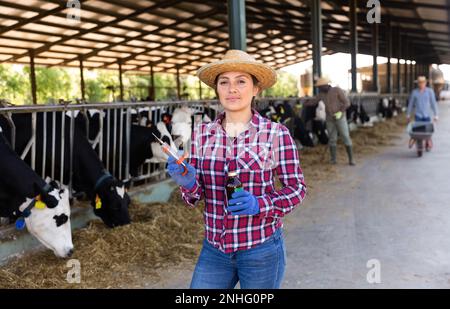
99 26
39 16
97 50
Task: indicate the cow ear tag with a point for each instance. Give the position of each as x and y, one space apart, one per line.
39 204
98 202
20 223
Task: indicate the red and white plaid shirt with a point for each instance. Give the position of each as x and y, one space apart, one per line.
264 148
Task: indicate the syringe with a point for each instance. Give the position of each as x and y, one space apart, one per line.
168 150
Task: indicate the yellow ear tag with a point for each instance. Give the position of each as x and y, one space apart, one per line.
98 202
39 204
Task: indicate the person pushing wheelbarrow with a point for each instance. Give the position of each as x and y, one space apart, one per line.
423 101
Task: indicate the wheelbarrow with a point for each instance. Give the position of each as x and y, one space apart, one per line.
420 133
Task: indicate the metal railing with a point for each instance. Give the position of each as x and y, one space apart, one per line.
370 100
110 144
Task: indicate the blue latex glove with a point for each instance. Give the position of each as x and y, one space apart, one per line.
243 203
175 170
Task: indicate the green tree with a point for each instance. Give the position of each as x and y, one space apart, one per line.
286 86
14 85
53 84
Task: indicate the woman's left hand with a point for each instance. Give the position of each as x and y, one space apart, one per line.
243 203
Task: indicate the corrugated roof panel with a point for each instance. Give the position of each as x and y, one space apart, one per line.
150 35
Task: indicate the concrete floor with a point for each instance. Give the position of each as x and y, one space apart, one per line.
392 207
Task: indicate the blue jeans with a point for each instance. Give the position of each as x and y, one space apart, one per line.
423 119
261 267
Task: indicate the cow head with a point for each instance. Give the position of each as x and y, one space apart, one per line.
49 224
111 202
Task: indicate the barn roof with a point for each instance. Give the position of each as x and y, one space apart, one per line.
187 34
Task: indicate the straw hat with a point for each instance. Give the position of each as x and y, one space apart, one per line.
322 81
238 61
439 81
421 79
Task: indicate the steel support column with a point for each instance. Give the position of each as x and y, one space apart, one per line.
405 56
316 39
399 66
82 85
178 84
389 59
33 79
151 92
237 24
375 49
353 42
120 82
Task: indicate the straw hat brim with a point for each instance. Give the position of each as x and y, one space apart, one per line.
265 75
322 82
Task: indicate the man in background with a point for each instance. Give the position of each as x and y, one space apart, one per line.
336 104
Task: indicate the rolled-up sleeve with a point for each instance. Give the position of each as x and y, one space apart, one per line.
281 202
194 195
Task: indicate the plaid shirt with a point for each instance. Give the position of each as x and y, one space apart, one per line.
264 148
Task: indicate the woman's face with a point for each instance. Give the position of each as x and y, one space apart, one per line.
236 90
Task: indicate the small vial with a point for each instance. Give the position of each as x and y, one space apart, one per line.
233 184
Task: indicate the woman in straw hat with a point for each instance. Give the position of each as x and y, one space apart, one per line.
243 237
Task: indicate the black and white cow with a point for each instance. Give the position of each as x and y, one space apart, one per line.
314 126
141 116
108 195
303 126
208 114
388 107
174 129
383 108
43 207
356 113
396 106
143 144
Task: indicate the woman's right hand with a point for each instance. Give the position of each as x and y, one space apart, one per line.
175 171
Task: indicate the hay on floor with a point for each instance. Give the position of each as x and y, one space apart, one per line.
162 234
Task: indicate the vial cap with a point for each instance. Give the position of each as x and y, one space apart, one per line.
232 174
